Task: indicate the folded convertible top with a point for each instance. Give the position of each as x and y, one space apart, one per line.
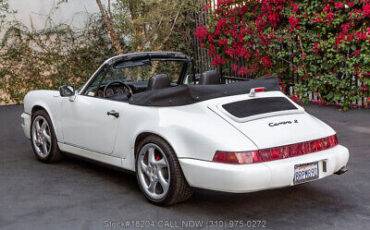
189 94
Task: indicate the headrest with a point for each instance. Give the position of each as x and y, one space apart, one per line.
209 78
159 82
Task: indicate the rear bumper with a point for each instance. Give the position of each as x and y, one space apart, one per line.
259 176
26 124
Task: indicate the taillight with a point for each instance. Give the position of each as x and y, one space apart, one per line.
277 152
236 157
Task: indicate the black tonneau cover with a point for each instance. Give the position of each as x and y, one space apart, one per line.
189 94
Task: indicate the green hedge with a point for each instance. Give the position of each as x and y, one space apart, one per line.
326 42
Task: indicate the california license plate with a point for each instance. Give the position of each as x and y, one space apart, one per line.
306 172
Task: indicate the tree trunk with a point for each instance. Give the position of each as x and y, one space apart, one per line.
139 32
109 26
155 66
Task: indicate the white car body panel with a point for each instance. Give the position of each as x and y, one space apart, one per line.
268 137
263 128
86 124
258 176
50 101
194 131
100 157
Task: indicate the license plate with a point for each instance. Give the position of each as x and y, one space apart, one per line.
306 172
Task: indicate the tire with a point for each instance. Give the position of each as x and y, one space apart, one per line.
164 167
43 135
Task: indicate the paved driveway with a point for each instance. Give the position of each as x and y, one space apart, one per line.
74 194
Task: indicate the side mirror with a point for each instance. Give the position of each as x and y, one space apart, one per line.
66 91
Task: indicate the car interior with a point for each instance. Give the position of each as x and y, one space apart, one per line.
121 81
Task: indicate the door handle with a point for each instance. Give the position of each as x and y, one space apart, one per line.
113 113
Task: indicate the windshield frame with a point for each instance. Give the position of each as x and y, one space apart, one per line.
109 63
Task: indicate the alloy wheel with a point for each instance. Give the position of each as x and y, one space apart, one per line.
41 136
153 171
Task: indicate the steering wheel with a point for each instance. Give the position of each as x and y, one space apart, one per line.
118 82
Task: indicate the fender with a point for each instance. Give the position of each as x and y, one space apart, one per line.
179 127
50 101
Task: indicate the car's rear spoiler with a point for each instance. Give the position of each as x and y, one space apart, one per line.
189 94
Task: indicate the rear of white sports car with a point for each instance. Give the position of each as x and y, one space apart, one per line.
290 146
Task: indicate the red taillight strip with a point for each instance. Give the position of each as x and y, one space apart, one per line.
297 149
276 153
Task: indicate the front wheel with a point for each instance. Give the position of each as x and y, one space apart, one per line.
159 174
43 139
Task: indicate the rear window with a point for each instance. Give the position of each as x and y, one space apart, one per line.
257 106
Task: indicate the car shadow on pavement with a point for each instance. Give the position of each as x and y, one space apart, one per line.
289 200
287 206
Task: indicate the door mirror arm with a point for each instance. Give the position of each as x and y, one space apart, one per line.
72 98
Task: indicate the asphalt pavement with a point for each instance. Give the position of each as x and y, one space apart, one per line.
75 194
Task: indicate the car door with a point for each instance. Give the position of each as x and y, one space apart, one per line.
90 123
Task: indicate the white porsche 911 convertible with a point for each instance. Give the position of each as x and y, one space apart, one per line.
147 113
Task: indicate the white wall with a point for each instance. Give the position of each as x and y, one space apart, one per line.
73 12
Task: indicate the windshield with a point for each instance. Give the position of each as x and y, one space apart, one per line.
144 70
137 73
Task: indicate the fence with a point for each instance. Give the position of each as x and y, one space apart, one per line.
203 61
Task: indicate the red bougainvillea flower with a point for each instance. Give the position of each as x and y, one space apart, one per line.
295 7
249 38
217 60
326 8
222 3
207 7
339 5
293 22
222 41
366 9
242 71
356 52
266 61
201 32
329 17
294 98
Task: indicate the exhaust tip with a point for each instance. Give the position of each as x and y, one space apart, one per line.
341 170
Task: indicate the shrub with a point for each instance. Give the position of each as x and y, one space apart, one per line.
58 55
49 58
326 42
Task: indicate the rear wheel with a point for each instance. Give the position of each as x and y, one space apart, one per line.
159 174
43 139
